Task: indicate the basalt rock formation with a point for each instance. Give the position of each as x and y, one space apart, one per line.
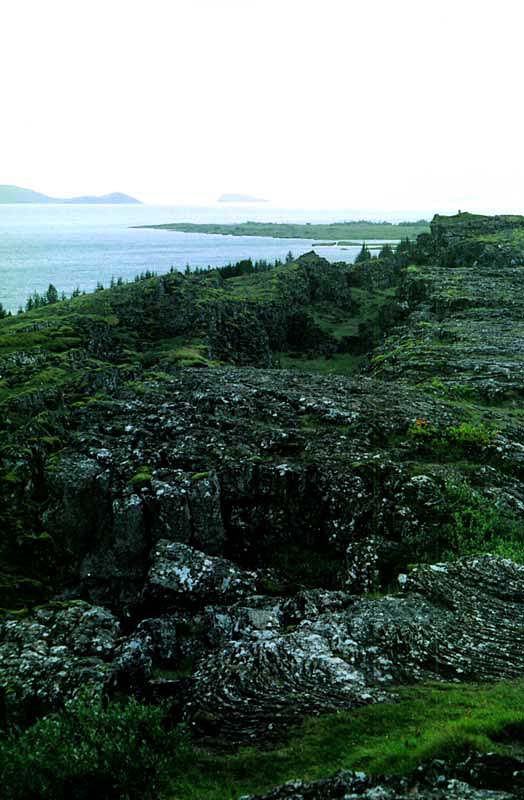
479 777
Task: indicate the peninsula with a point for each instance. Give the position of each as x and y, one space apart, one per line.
334 231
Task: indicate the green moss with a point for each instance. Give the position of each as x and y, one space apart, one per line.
199 476
141 479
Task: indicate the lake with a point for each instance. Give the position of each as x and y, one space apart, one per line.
80 245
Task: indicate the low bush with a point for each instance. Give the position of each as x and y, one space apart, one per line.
92 749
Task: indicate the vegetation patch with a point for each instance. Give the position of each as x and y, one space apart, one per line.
466 437
434 721
96 749
478 526
131 751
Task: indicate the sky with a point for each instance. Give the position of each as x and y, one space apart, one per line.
386 104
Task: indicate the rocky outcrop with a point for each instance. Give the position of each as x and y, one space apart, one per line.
480 777
458 621
239 530
265 662
52 656
183 576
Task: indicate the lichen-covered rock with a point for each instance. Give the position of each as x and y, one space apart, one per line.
182 576
348 787
480 777
53 655
459 621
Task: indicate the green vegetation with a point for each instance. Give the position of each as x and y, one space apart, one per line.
141 479
199 476
362 229
336 364
104 750
476 525
130 752
465 438
364 255
443 721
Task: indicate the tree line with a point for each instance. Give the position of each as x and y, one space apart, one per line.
404 253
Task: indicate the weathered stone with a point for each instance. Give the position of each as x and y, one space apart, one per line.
52 656
458 621
480 777
183 576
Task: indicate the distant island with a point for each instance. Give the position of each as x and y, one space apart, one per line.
240 198
16 194
345 232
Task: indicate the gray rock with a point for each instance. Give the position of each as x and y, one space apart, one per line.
458 621
436 780
183 576
53 655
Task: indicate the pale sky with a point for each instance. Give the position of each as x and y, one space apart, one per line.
387 104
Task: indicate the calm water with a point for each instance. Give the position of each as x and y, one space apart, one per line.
73 246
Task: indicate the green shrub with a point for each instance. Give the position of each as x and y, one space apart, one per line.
199 476
468 434
455 441
92 750
477 526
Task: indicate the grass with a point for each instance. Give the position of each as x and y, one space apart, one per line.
430 721
338 364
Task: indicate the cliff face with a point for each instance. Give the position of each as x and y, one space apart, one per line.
163 477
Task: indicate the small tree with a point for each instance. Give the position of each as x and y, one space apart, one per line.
386 251
51 296
289 257
405 252
364 255
38 300
3 312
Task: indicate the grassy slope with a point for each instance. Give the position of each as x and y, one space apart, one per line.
431 721
334 231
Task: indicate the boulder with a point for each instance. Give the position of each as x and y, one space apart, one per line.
53 655
181 576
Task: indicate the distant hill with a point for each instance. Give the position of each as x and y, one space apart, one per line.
16 194
114 197
240 198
